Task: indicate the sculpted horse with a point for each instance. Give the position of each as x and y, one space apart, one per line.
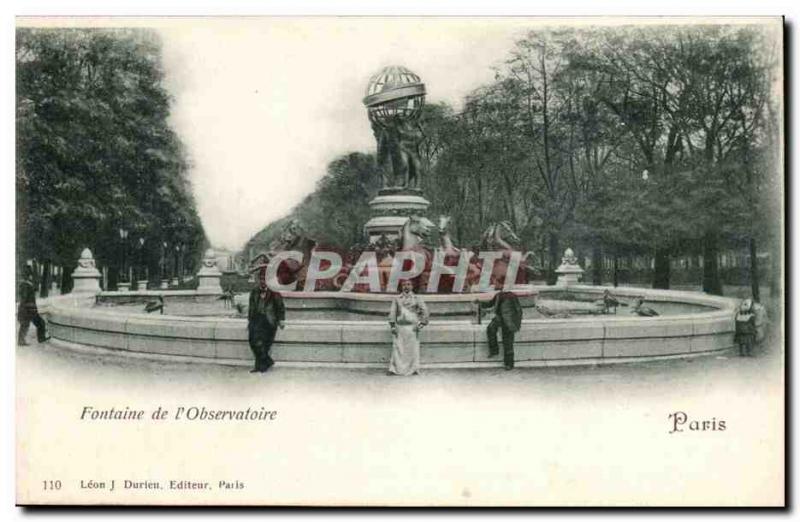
501 237
452 255
413 235
411 238
294 238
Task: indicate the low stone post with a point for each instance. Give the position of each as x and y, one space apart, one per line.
570 272
86 278
123 287
209 275
141 285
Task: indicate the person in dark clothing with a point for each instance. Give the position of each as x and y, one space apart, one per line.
27 311
264 316
508 319
745 335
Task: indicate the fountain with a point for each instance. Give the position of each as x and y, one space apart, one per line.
336 318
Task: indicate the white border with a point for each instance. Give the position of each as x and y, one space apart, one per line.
288 7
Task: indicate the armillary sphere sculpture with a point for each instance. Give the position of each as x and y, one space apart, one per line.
394 100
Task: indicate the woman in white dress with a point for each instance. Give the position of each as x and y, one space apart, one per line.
407 317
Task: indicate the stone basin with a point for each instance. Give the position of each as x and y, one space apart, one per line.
307 306
326 328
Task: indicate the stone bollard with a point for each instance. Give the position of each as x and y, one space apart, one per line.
141 285
123 287
86 277
209 275
164 284
175 281
570 272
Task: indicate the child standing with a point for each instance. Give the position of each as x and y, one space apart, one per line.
745 335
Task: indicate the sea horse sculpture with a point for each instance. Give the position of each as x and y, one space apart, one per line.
293 237
452 256
501 237
414 233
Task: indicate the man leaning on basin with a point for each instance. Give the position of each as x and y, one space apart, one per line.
507 319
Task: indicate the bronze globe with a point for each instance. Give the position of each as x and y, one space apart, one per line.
394 94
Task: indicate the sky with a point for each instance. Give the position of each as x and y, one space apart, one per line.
263 105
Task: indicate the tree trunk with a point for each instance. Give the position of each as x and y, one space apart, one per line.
113 276
44 283
616 270
543 256
36 272
480 205
597 265
755 283
775 276
628 269
555 259
661 269
66 280
711 281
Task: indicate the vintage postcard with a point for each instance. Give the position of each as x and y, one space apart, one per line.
411 261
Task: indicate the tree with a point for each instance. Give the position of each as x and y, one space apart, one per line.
94 150
657 142
689 97
722 122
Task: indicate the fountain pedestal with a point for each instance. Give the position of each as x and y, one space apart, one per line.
86 278
570 272
209 275
391 209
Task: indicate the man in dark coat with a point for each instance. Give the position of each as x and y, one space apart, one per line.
27 311
264 316
508 318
